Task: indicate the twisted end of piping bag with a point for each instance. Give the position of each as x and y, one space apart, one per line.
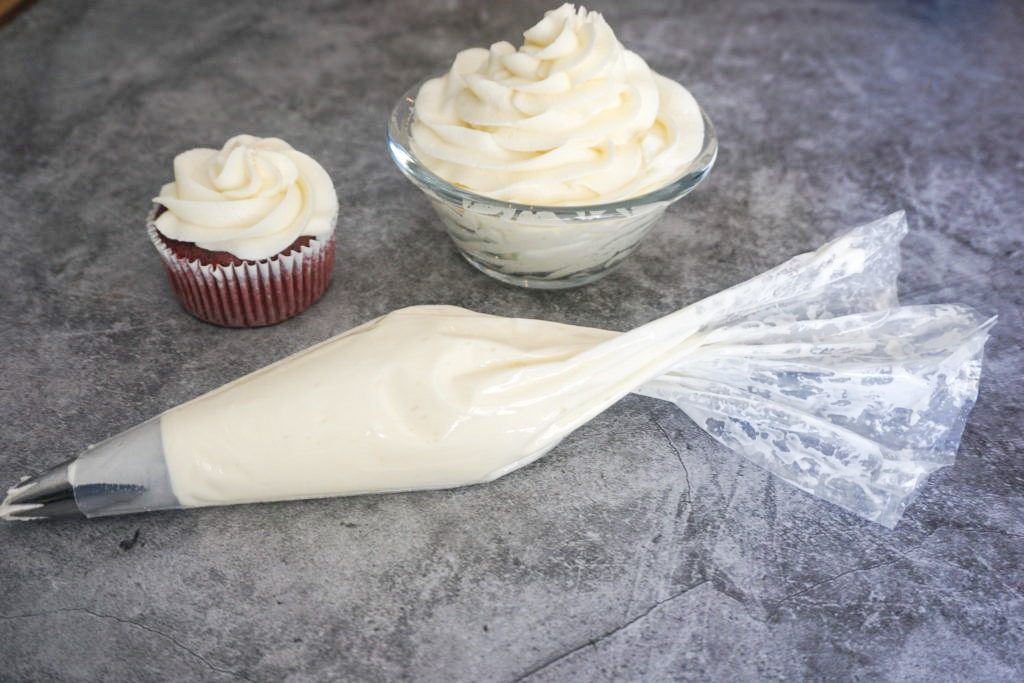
815 373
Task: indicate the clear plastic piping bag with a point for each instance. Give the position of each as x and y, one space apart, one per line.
812 371
815 373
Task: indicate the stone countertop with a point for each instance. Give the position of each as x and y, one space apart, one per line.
639 548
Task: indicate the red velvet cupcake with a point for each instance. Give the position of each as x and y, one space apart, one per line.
246 233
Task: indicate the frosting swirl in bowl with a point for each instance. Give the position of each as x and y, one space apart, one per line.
252 198
571 117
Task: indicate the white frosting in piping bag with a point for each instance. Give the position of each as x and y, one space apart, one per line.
571 117
808 370
252 198
426 397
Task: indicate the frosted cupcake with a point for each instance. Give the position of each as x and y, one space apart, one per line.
246 233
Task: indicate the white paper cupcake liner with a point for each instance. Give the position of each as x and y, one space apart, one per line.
250 294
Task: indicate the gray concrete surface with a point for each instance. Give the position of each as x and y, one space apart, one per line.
639 549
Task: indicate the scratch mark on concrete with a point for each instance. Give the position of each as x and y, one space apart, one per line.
592 643
121 620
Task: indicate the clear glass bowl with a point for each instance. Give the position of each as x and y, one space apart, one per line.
543 247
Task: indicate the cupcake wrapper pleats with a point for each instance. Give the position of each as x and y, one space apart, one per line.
249 294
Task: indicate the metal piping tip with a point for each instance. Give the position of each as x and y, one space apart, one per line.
18 513
49 495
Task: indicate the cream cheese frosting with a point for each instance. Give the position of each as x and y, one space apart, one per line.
570 117
251 198
424 397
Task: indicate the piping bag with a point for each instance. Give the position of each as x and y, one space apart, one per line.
811 370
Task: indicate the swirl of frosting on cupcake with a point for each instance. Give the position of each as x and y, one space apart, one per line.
571 117
252 198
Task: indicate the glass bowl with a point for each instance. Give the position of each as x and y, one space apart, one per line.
543 247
